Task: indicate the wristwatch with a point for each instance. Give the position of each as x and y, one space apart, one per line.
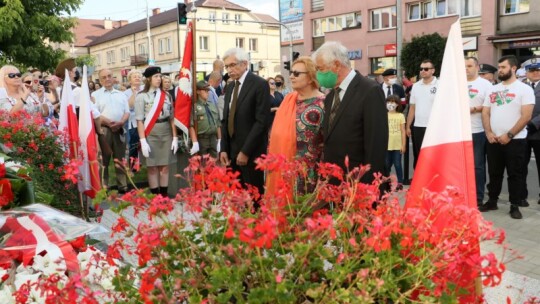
510 135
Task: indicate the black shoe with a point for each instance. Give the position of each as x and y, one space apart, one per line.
524 203
515 213
539 201
489 205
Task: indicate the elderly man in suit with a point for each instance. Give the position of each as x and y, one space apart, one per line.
245 119
532 66
390 85
355 120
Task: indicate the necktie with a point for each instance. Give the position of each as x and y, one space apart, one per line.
335 105
232 110
389 92
532 84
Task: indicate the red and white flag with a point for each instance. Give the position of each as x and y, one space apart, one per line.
446 157
68 117
182 105
90 183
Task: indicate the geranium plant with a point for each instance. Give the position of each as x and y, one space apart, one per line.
328 246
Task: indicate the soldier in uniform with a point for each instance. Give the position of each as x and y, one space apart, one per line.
487 71
155 122
204 127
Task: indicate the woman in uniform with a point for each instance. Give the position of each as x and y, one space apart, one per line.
155 123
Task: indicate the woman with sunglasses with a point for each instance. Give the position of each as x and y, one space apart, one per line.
297 133
13 93
37 101
275 98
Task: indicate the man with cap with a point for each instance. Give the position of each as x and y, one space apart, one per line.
204 126
390 85
487 72
532 68
114 108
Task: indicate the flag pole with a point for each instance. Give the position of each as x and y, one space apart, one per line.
194 60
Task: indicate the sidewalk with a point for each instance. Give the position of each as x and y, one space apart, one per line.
520 281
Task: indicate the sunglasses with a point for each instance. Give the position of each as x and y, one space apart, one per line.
272 83
425 69
13 75
297 73
28 82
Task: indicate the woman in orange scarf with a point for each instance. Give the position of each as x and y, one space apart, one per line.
296 131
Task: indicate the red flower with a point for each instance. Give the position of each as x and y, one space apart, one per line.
2 170
6 195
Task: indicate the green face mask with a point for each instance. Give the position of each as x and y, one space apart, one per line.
327 79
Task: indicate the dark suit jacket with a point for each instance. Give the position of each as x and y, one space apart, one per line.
360 129
396 90
534 125
250 120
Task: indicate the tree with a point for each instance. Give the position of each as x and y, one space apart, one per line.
28 26
420 48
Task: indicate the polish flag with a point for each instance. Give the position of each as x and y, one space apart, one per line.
90 183
68 117
182 105
446 157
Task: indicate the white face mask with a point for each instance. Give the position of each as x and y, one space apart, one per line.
391 106
392 81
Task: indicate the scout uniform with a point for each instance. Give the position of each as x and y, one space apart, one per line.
205 121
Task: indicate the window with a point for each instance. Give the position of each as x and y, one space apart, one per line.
164 45
240 43
427 10
336 23
124 53
516 6
111 58
225 17
383 18
98 60
441 8
470 8
253 44
203 43
414 11
237 18
212 17
142 49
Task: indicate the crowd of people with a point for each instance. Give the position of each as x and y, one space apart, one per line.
329 112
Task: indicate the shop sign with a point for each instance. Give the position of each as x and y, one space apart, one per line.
524 44
356 54
390 49
470 43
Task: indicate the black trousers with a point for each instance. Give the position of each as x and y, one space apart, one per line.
250 175
417 139
512 158
532 145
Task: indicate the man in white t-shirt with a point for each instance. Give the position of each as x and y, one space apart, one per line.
532 68
420 103
114 109
507 110
478 90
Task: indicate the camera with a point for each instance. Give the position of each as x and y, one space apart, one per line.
44 83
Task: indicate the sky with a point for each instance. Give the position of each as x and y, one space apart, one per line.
133 10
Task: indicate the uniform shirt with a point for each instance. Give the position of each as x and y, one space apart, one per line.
112 104
207 116
144 102
422 95
505 102
478 89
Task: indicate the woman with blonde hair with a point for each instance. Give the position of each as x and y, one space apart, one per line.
297 132
13 93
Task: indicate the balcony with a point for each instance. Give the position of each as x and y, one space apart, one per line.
139 60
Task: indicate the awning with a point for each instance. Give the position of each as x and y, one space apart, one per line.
514 37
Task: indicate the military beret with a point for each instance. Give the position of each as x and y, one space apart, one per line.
532 64
151 71
389 72
60 70
202 85
487 68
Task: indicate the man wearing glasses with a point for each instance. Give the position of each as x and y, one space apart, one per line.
420 103
245 119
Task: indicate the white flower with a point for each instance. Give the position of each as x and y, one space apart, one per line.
47 266
6 296
23 278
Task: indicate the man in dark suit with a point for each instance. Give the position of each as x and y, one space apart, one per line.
245 119
390 85
355 119
532 66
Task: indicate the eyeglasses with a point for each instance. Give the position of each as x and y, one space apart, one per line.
297 73
232 65
13 75
425 69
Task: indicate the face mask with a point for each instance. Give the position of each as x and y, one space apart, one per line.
391 106
278 84
327 79
392 81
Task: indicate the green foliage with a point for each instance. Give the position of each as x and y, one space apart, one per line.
420 48
27 26
87 60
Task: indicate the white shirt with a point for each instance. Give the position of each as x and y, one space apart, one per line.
478 90
132 121
345 83
423 95
112 104
505 102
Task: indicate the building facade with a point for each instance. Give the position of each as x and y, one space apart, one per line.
369 28
220 25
